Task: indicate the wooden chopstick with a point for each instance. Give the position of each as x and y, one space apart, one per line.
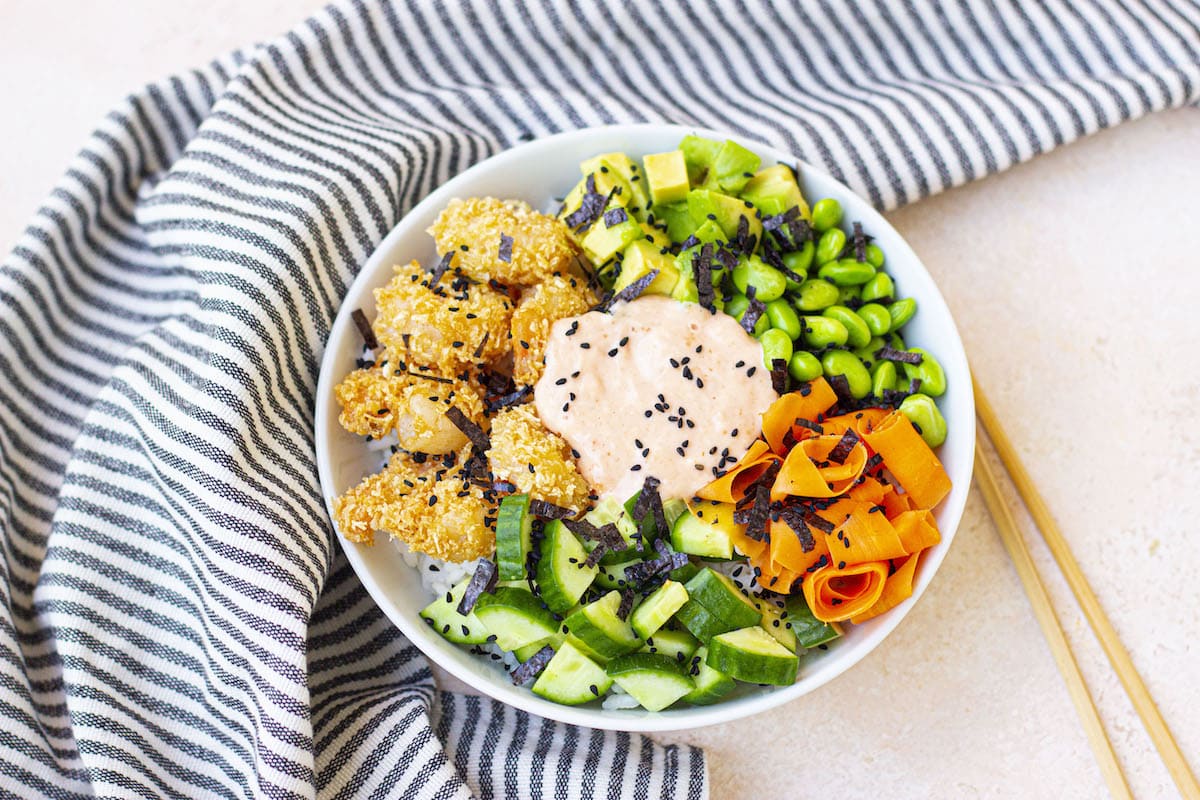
1118 656
1044 611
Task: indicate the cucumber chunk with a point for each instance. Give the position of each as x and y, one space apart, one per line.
774 622
562 575
612 576
599 628
656 681
685 573
515 617
711 684
809 630
679 645
703 624
752 655
721 596
513 526
442 615
660 606
697 537
571 678
610 510
523 654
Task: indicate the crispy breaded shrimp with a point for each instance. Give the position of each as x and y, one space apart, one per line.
440 327
377 399
541 245
535 460
430 507
539 308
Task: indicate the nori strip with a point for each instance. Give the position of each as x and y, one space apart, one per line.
860 243
440 269
753 311
482 343
547 510
506 245
484 580
756 525
794 518
841 451
626 605
779 375
614 217
630 292
532 667
469 428
650 502
510 399
806 423
364 329
889 353
702 274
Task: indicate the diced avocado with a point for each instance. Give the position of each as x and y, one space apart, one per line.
656 681
603 241
608 184
774 190
653 612
572 677
656 236
679 222
734 166
635 193
710 231
678 644
725 210
668 177
711 684
641 257
685 290
699 154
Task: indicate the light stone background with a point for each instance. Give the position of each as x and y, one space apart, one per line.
1075 280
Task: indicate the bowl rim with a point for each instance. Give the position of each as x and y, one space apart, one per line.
951 354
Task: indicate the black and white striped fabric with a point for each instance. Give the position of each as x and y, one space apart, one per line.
177 619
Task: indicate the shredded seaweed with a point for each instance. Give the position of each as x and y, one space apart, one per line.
483 580
364 329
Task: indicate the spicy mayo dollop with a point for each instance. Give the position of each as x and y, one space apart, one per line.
656 387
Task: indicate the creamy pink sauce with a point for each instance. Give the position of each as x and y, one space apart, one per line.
655 388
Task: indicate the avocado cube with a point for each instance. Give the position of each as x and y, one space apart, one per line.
734 166
774 190
634 192
603 241
685 290
706 204
684 263
640 258
668 177
699 154
657 236
710 231
678 220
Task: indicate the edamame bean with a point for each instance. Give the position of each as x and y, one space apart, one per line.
826 213
847 272
875 256
767 281
880 287
800 260
895 340
783 317
775 344
735 304
929 372
843 362
925 416
761 325
857 332
848 295
883 377
816 294
866 354
804 366
830 245
902 311
824 331
877 318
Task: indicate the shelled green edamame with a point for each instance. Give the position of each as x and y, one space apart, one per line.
713 211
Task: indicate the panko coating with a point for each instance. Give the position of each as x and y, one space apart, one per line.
541 246
440 327
553 299
535 460
434 509
375 400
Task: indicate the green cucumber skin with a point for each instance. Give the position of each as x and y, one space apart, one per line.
535 621
513 537
711 684
569 681
592 633
694 536
721 596
657 609
672 643
769 668
702 623
656 681
553 577
810 631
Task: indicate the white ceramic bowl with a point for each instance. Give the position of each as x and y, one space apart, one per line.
537 172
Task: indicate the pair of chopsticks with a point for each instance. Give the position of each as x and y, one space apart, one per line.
1118 657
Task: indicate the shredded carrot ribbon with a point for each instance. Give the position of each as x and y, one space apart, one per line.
878 512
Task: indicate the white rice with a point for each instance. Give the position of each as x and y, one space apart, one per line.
437 576
619 699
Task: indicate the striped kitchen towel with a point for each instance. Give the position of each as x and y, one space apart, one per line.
177 619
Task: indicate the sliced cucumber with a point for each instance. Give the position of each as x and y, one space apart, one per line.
599 628
571 678
703 624
697 537
609 510
672 509
656 681
752 655
513 526
442 615
523 654
515 617
660 606
720 595
774 622
562 575
809 630
612 576
711 684
685 573
680 645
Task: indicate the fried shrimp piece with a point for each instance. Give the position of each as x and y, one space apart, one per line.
440 327
432 508
539 308
541 246
377 399
535 460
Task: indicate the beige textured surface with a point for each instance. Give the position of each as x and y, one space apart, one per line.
1075 283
